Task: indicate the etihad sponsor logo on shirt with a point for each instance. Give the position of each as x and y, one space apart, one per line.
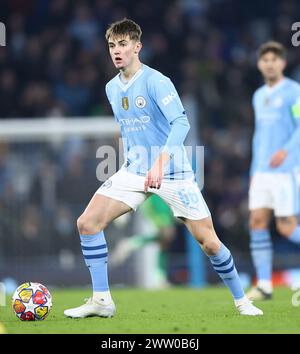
135 121
168 99
135 124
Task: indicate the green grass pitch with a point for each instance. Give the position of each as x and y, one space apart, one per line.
171 311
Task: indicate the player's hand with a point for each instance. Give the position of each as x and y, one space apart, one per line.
153 178
278 158
155 175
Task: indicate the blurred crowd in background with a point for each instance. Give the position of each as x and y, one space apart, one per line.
56 64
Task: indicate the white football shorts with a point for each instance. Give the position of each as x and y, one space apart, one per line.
276 191
183 196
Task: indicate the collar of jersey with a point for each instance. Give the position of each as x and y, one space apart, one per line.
275 87
126 86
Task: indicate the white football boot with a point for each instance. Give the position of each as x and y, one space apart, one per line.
245 307
91 308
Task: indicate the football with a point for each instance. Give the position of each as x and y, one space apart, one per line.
31 302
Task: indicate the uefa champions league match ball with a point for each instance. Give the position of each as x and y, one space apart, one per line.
31 302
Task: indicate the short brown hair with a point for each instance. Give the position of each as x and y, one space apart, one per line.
123 28
273 47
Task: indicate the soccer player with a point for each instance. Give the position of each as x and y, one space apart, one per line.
153 126
275 162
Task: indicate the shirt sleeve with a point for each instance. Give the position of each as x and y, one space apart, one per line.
294 141
164 94
177 135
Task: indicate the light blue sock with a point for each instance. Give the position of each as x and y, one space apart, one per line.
224 265
94 251
262 253
295 236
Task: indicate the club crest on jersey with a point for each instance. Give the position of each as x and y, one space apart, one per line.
125 103
140 102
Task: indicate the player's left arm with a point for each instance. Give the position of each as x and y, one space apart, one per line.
294 142
166 97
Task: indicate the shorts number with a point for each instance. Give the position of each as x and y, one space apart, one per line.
189 197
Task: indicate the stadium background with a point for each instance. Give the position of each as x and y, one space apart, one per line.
56 64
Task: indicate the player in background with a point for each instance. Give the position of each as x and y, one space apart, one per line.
153 126
275 162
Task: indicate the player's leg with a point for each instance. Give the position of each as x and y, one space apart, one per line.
118 195
222 261
187 203
261 204
261 252
99 213
91 224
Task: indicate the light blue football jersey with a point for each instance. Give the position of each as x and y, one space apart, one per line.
277 126
145 108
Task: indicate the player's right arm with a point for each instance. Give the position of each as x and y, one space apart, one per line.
164 94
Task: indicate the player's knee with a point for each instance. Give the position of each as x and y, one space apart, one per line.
211 247
210 242
206 236
87 226
258 222
83 225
